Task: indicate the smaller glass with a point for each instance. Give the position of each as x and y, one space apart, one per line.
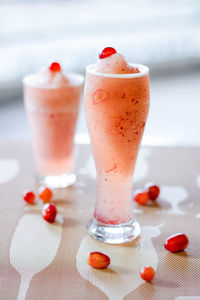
52 112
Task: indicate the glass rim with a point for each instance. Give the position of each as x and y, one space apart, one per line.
144 70
79 76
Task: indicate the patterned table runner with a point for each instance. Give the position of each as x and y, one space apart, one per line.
41 261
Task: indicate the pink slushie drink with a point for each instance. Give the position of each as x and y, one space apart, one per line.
52 103
116 105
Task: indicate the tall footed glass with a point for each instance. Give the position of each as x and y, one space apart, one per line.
116 107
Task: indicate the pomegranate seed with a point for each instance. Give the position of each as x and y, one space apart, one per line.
177 242
55 67
137 70
153 190
108 51
141 197
49 212
45 194
147 273
29 197
98 260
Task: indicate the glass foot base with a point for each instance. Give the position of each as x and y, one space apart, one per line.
57 181
114 234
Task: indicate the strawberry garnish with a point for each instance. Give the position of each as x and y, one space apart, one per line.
55 67
108 51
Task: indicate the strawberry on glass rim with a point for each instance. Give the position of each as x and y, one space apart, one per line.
106 52
55 67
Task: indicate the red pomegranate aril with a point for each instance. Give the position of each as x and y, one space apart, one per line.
141 197
98 260
49 212
176 242
153 190
108 51
55 67
29 197
137 70
45 194
147 273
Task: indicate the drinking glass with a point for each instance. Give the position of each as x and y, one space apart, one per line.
116 108
52 113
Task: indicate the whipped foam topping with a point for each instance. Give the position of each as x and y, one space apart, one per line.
114 64
46 78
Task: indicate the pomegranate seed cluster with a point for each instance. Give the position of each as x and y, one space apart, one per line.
150 191
45 194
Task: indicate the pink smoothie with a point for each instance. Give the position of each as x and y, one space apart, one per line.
52 103
116 106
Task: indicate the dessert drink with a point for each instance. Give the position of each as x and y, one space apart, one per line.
116 105
52 103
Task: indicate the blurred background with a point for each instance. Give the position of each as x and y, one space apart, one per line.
165 35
